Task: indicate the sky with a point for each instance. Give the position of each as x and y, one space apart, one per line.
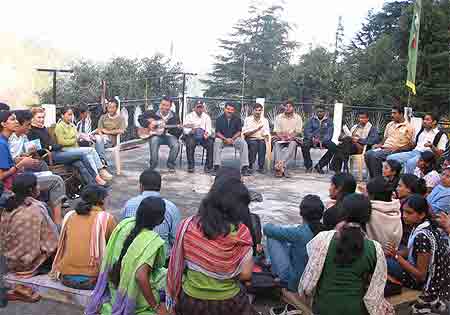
100 29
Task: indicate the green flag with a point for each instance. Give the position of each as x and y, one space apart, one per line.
414 46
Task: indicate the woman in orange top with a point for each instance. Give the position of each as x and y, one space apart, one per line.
83 239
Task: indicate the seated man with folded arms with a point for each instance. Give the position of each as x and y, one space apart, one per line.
429 138
200 133
398 137
361 134
287 131
256 131
228 133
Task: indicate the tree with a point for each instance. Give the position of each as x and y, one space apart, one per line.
375 62
125 77
259 43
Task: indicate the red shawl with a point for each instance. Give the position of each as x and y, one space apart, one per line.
220 258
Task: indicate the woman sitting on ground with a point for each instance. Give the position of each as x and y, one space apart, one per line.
426 169
343 263
66 136
342 184
385 224
408 185
29 236
439 198
424 263
84 235
286 246
212 253
133 276
392 170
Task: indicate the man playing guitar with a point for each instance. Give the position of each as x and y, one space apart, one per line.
162 128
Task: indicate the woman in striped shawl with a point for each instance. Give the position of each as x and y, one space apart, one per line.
211 254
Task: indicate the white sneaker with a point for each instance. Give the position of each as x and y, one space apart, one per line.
105 175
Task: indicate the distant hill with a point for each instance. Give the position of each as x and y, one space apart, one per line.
19 81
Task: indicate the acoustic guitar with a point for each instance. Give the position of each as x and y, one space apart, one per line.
156 130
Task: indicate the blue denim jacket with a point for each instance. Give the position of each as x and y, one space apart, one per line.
298 237
321 129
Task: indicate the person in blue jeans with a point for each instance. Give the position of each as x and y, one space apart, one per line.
169 137
286 245
429 138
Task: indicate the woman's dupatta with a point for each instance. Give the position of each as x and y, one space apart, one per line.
374 299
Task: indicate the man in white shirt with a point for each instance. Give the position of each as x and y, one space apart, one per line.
287 130
429 138
198 123
256 131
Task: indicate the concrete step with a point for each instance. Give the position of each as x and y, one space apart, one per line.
52 290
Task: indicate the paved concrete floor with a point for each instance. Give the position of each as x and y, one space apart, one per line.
280 204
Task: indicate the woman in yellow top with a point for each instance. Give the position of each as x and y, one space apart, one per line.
82 242
67 137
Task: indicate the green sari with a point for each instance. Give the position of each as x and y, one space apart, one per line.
127 298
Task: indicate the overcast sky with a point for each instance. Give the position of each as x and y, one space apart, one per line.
100 29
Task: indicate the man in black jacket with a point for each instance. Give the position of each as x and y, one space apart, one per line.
169 137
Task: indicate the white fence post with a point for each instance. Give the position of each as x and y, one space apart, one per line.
337 121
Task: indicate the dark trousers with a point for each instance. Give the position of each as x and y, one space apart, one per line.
374 161
343 152
326 158
256 147
207 144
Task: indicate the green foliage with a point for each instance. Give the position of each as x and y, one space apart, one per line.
261 42
125 77
370 71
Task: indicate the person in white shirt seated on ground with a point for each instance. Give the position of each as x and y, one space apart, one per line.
429 138
199 125
256 131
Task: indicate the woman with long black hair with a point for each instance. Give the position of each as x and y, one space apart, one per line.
341 185
212 253
133 274
84 235
340 264
424 263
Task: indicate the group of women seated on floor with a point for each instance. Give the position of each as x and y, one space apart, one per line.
340 260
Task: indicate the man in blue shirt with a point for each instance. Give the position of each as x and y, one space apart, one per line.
150 186
228 132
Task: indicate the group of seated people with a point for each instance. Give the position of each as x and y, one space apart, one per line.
27 146
344 257
248 138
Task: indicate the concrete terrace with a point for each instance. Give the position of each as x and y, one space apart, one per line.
281 196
